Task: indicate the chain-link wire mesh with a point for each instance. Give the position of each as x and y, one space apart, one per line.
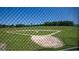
38 28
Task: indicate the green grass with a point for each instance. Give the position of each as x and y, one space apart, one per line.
23 42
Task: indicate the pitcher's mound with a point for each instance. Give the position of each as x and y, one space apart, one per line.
47 41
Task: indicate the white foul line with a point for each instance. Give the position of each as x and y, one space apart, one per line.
57 31
18 33
70 48
54 33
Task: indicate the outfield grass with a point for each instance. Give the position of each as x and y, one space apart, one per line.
23 42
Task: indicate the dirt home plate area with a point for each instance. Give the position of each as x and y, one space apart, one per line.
47 41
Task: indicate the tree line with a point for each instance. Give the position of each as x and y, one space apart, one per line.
59 23
55 23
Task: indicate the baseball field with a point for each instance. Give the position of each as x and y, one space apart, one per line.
20 38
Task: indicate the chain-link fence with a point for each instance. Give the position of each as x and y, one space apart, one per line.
38 28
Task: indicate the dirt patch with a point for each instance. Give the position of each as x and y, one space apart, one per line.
47 41
2 46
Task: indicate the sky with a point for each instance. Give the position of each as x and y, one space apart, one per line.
37 15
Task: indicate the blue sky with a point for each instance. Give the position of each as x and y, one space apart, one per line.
38 15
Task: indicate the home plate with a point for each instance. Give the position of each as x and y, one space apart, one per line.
47 41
